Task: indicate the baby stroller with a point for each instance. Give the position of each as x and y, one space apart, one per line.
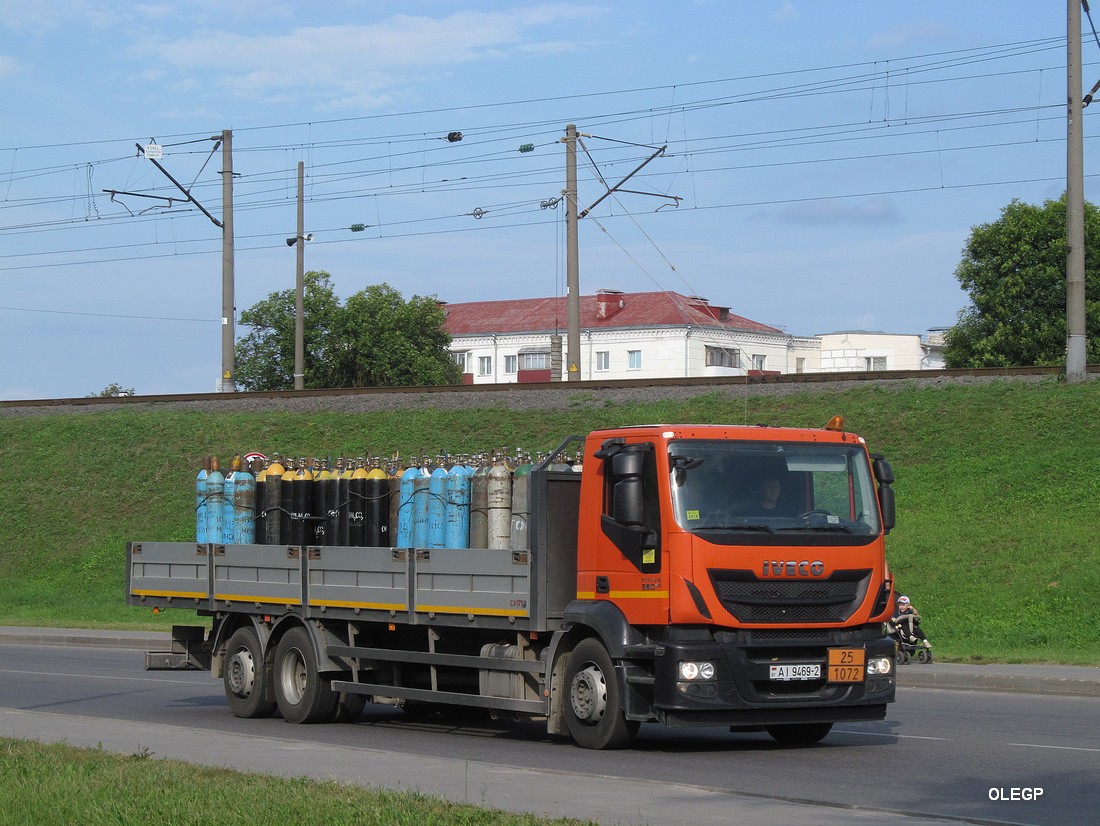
906 631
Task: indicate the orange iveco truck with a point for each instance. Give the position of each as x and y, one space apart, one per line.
688 575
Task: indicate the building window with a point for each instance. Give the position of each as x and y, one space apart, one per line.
510 365
875 363
603 360
723 357
758 362
485 365
534 361
634 359
460 359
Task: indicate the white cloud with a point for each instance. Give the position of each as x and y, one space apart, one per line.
360 62
909 34
866 211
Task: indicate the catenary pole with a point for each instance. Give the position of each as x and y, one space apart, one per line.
228 384
572 258
1076 369
300 285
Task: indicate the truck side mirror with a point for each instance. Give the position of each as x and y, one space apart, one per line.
629 503
889 511
884 474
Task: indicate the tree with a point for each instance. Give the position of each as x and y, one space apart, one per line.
112 390
1014 270
376 339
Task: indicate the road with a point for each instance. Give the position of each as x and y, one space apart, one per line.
939 757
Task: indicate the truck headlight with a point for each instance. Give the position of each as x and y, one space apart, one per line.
692 670
879 665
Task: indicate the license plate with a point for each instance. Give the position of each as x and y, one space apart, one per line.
795 672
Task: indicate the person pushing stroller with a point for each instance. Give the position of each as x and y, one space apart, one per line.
905 625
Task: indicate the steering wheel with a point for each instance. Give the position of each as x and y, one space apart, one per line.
816 512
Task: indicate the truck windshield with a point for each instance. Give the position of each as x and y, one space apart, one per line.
772 487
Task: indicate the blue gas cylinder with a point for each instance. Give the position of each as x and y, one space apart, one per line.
405 508
244 506
421 496
200 501
437 508
458 507
215 503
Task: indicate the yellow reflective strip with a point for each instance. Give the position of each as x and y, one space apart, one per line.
625 595
457 609
245 598
184 594
376 606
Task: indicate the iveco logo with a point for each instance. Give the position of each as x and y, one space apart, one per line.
796 568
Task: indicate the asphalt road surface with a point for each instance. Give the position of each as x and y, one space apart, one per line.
942 756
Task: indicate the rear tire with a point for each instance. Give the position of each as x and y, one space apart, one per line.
245 677
303 693
593 700
799 734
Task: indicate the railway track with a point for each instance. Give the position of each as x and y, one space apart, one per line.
808 379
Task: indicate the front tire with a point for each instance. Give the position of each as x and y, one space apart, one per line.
799 734
244 676
593 701
303 693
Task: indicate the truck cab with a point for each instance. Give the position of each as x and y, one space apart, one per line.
740 575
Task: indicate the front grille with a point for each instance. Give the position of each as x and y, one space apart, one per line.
796 600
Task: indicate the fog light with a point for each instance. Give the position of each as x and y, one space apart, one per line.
879 665
690 670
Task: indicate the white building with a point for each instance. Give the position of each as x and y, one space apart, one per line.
653 335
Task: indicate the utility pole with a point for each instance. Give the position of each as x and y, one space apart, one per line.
572 258
228 384
300 285
1076 370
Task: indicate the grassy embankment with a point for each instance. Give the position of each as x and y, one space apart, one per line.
997 489
60 784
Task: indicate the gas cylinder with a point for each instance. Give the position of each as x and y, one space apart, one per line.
521 485
479 504
200 501
437 507
325 511
377 494
343 472
215 503
393 472
578 462
405 509
301 504
357 507
227 500
286 503
244 505
273 503
420 502
457 533
499 504
259 517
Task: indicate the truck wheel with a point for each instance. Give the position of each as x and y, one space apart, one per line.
244 676
800 734
593 704
304 695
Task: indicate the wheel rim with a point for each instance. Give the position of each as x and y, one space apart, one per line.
588 694
242 672
293 676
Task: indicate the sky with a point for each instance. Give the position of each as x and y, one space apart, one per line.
817 166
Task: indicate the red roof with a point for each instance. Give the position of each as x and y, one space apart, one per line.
606 310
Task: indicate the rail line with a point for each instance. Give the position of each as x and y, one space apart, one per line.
566 386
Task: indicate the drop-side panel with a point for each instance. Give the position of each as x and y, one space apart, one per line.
472 582
265 575
362 579
160 574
